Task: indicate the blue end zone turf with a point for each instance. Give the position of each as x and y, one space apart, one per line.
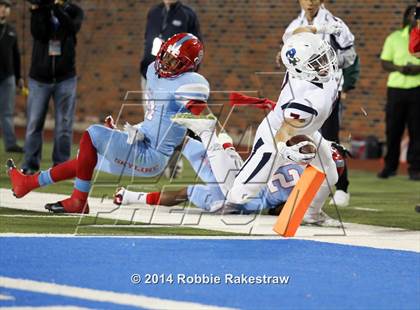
322 275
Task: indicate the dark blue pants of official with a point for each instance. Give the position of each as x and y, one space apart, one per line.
64 97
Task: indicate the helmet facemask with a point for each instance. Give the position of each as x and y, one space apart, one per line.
171 62
168 65
321 67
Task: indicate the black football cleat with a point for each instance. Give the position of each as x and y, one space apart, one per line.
276 211
55 207
10 164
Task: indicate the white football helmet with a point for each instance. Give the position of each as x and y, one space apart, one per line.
308 57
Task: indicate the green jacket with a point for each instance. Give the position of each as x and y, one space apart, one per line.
351 75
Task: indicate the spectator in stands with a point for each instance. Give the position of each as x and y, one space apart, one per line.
163 21
321 21
402 107
9 77
52 75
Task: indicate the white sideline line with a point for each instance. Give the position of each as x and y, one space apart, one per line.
101 296
42 235
6 297
58 307
41 216
366 209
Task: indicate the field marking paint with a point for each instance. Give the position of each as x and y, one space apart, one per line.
43 235
57 307
6 297
40 216
366 209
101 296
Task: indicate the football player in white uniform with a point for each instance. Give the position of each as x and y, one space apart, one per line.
210 198
306 100
316 18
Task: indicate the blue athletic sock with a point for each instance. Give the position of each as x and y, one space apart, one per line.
44 178
82 185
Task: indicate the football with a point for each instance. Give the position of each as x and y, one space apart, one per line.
300 138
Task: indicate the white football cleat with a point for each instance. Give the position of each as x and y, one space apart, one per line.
322 219
119 196
340 199
197 124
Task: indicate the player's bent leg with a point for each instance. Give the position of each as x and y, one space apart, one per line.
325 163
86 162
254 174
118 157
195 152
202 161
222 165
323 160
205 196
259 167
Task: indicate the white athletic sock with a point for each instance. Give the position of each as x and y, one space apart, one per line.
222 165
319 200
134 197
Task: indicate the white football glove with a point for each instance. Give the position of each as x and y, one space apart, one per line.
134 134
330 28
292 152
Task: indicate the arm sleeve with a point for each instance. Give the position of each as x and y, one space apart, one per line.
345 39
388 50
40 24
193 95
351 75
346 57
299 109
70 21
16 60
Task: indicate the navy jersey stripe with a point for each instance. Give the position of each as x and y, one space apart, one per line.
265 158
298 106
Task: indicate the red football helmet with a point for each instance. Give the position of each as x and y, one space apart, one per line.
181 53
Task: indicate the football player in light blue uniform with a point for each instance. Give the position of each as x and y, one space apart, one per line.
142 150
209 196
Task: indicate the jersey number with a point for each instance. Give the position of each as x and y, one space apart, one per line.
283 179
